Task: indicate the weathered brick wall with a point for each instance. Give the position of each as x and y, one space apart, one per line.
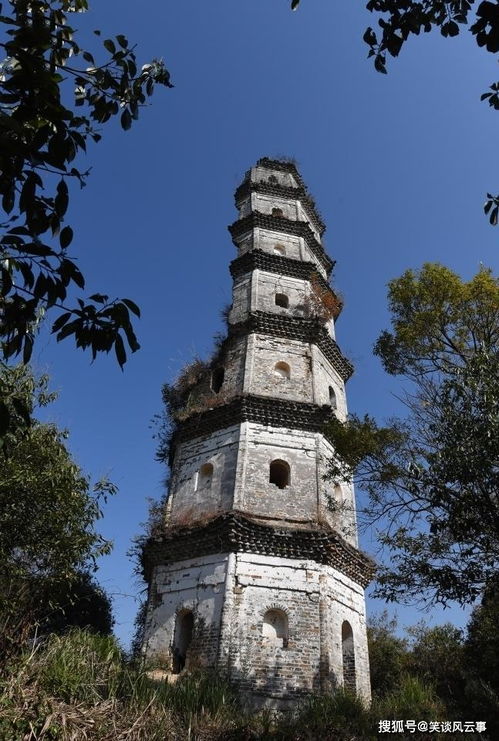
230 595
346 603
186 502
265 204
241 457
313 657
267 240
259 174
297 291
241 299
263 378
249 364
245 244
337 501
310 373
198 586
324 377
295 247
259 445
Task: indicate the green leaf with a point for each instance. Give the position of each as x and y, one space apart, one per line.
27 348
99 298
37 248
22 409
119 349
110 46
132 306
27 194
8 200
68 329
126 119
75 274
62 198
5 282
60 322
66 237
4 418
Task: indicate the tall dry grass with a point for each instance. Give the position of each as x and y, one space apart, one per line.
81 686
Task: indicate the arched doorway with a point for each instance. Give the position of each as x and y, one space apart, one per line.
184 626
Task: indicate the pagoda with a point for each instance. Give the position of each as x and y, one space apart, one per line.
256 571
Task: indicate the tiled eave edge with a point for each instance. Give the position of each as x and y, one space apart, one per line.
233 532
260 260
256 220
294 328
264 410
281 191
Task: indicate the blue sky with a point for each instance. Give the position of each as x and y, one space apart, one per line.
399 166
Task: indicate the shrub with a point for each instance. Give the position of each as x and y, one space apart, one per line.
411 699
81 667
340 715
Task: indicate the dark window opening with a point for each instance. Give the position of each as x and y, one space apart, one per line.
273 180
205 476
279 474
217 379
277 212
281 300
184 626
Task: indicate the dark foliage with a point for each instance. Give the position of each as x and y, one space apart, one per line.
48 513
432 479
41 136
80 604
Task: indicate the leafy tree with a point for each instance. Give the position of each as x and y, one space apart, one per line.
481 653
432 479
82 604
139 625
48 513
388 655
41 135
437 659
482 640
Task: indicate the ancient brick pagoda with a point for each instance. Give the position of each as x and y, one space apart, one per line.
258 572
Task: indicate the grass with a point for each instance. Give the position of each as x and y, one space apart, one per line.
81 686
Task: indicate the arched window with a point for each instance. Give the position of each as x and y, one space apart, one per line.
280 474
349 680
282 370
277 212
282 300
205 476
338 494
279 249
275 627
332 398
273 180
184 625
217 379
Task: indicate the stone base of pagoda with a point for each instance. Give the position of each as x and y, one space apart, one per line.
278 628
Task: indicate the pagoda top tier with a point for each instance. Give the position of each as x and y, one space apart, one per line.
280 178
